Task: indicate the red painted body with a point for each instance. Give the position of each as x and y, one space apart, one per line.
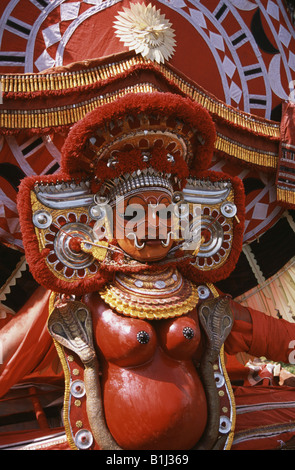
153 396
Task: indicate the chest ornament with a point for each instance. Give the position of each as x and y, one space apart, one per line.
151 296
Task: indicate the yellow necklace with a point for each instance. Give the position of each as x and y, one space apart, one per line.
152 296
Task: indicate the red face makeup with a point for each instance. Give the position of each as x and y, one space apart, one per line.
143 224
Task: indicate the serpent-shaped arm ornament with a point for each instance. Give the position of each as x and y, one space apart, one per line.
70 325
216 320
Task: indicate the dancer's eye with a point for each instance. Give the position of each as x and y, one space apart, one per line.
130 217
136 214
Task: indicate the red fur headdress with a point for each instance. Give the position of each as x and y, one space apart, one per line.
164 131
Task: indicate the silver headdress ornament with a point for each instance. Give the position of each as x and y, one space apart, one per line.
138 180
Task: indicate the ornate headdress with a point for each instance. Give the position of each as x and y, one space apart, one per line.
140 140
137 140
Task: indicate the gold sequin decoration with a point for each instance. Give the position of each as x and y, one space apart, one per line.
286 196
149 313
247 154
26 83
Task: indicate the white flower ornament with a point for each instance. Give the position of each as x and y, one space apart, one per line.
146 31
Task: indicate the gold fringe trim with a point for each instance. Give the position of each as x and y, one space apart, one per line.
67 116
247 121
247 154
62 357
286 196
29 83
63 116
149 312
213 289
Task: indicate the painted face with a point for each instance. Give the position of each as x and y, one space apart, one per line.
142 223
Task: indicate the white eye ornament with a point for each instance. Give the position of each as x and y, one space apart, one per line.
228 209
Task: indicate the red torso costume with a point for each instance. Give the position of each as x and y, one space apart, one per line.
150 385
